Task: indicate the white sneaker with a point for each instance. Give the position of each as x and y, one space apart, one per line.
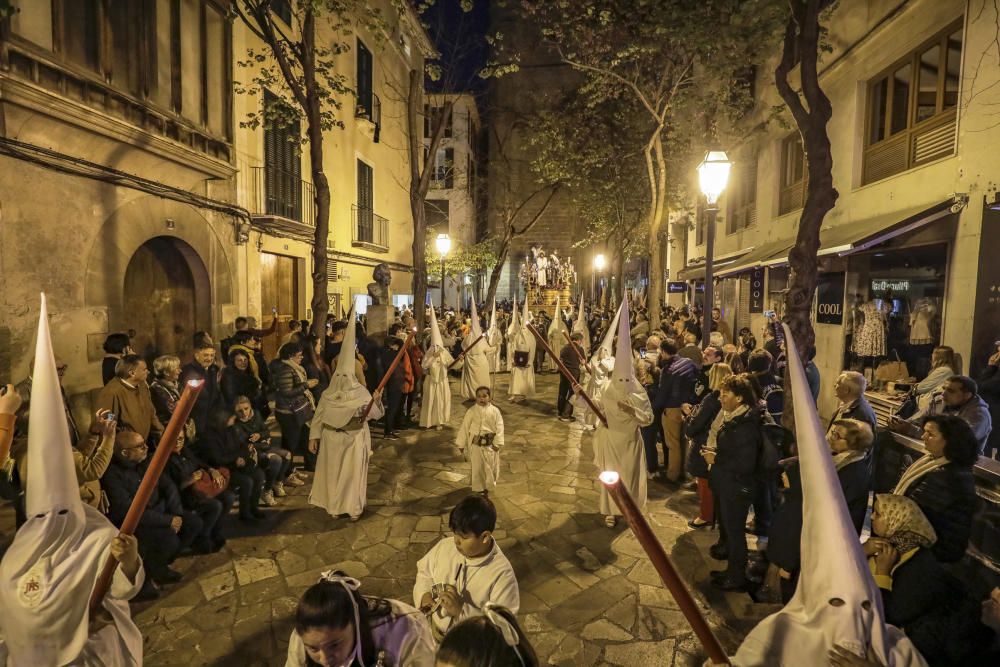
267 499
279 490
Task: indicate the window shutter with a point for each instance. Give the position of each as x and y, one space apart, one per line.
331 270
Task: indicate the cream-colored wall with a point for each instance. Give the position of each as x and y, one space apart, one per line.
874 35
342 147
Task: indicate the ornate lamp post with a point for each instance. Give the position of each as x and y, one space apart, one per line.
599 263
713 175
443 244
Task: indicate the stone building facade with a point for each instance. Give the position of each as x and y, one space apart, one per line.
133 197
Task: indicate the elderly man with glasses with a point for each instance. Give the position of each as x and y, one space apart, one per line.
959 396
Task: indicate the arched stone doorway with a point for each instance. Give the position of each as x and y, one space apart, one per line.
161 297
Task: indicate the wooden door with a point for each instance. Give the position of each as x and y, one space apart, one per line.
278 288
160 301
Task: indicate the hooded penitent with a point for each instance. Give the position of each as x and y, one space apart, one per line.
436 339
837 601
623 376
345 394
580 326
492 328
49 571
606 349
557 323
476 330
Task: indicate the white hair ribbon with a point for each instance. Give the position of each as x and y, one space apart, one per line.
505 627
350 584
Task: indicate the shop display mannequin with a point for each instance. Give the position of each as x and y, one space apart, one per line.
921 322
870 336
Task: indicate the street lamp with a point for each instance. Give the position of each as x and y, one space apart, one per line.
443 243
599 263
713 174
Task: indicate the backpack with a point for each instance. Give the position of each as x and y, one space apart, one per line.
773 441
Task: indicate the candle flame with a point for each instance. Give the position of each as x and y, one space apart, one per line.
609 477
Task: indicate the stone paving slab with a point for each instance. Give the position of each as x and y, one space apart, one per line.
588 594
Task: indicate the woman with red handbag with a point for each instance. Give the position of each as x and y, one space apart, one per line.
204 490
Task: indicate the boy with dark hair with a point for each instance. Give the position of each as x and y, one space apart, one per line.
460 574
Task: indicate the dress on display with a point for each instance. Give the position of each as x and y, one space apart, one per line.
870 337
921 320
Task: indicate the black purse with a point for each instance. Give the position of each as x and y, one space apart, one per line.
520 359
485 439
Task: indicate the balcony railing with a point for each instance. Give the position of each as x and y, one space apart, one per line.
275 192
370 231
373 115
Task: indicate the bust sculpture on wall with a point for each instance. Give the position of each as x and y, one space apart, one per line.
379 290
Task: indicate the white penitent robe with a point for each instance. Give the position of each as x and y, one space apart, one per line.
495 339
476 371
557 341
595 385
484 461
435 404
489 578
522 380
618 446
341 482
404 635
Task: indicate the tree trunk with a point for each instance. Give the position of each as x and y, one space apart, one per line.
802 31
420 181
320 303
657 173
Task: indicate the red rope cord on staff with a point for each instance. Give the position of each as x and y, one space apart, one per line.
664 567
466 350
149 481
569 376
385 378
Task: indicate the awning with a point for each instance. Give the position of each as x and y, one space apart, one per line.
847 238
697 271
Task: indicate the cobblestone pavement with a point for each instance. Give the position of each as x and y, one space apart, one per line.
588 594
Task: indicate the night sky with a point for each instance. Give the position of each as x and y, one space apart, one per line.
460 37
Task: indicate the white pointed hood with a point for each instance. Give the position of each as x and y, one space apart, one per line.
49 571
493 318
477 329
580 326
606 349
341 400
436 339
514 320
557 321
623 376
809 625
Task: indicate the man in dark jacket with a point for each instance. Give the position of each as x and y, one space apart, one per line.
393 391
570 355
989 391
166 528
850 391
677 387
204 368
959 397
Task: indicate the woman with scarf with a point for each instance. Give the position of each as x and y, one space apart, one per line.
293 403
165 391
918 595
335 625
941 483
342 440
731 451
850 442
698 423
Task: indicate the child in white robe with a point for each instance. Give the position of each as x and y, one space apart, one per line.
460 574
480 439
375 628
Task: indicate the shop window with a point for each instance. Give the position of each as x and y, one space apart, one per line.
742 195
792 195
911 108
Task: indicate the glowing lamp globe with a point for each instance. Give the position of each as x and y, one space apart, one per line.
713 175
